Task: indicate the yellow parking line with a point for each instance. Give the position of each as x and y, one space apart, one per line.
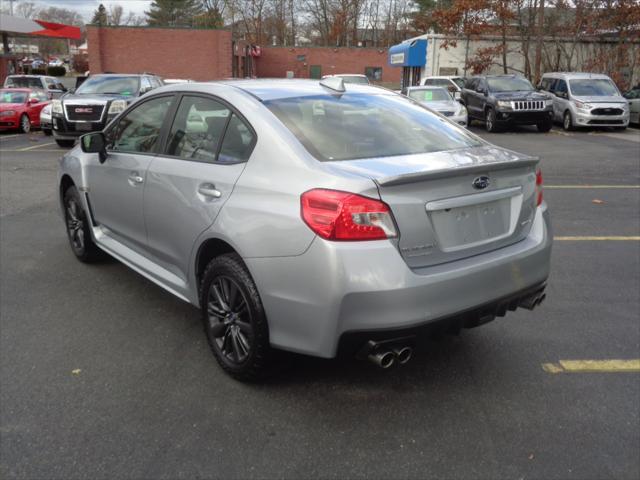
576 187
592 366
597 239
34 147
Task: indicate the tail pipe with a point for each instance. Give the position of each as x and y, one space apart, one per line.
533 300
386 353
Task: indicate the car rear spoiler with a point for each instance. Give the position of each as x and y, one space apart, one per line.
463 170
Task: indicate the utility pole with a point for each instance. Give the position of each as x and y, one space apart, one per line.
540 39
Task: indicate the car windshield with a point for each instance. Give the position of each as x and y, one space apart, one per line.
430 95
7 96
355 79
353 126
109 85
600 87
458 81
24 82
509 84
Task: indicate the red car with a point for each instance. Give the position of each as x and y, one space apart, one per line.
20 108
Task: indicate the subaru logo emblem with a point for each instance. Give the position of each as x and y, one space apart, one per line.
480 183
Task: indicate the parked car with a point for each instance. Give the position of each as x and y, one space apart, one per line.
315 217
96 102
453 84
20 108
174 81
507 100
351 78
586 100
633 97
45 120
56 62
440 100
53 86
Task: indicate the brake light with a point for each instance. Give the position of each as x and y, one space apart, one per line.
344 216
538 187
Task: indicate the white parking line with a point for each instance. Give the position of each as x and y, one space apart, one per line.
4 137
34 147
576 187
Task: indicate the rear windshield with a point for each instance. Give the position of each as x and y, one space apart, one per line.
592 88
353 126
7 96
23 82
110 85
430 95
509 84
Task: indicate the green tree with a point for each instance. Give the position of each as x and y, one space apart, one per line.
174 13
100 16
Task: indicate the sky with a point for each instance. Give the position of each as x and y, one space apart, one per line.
87 7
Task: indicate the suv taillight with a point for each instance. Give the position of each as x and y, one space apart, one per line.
538 187
344 216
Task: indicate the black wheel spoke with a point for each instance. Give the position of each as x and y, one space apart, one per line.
214 310
236 346
245 327
243 342
233 294
219 297
218 330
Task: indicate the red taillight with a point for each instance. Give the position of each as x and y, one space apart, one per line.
538 187
345 216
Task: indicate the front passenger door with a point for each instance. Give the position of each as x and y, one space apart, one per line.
116 186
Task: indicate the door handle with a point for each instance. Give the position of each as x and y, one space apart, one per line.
209 190
135 178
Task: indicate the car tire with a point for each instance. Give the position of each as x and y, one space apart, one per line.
490 121
78 225
234 319
25 123
567 121
545 126
47 132
65 143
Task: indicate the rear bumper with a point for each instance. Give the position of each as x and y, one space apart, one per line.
335 288
524 117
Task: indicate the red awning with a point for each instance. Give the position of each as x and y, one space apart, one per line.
58 30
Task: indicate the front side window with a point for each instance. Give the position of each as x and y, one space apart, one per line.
590 87
197 129
430 95
560 87
139 130
110 85
353 126
509 84
7 96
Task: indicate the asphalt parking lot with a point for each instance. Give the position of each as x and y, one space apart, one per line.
105 375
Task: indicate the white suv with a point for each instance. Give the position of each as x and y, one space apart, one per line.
586 100
453 84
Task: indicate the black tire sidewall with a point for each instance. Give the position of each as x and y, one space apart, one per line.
564 121
232 266
90 253
65 143
490 120
22 129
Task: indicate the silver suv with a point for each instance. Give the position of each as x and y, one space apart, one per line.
315 217
586 100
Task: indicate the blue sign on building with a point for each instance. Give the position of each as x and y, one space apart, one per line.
409 54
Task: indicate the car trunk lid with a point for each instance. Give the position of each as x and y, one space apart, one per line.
455 204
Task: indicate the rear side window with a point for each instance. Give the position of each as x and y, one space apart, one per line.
354 126
139 130
197 129
238 142
24 82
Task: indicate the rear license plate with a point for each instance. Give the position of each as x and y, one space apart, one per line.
472 225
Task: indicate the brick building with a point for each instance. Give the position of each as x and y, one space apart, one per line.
313 62
209 54
199 54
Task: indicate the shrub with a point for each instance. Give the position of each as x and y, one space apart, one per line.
80 64
56 71
38 71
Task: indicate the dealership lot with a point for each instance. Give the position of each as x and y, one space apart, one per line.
105 375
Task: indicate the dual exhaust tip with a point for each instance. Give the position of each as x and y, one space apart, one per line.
387 358
533 301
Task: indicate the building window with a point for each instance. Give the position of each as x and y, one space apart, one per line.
373 73
301 58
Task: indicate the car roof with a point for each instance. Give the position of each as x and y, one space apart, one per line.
448 77
29 76
570 75
272 89
427 87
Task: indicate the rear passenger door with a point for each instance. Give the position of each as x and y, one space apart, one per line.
206 150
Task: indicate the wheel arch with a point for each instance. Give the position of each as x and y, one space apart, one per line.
209 249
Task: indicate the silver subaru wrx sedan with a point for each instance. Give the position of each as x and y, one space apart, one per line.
314 217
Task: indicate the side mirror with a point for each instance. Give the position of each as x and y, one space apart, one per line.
94 142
